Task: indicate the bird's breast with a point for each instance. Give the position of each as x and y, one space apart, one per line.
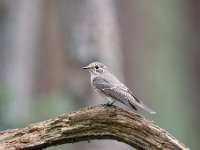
93 77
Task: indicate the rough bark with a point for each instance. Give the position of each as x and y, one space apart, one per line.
88 124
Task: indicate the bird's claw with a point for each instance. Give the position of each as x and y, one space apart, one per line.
107 105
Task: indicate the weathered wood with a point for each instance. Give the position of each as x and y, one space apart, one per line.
88 124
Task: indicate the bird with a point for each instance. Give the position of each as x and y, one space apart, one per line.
105 83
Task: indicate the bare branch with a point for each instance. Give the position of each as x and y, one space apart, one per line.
89 124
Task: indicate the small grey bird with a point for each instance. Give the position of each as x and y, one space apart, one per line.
111 88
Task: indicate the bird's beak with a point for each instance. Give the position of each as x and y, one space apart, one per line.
87 67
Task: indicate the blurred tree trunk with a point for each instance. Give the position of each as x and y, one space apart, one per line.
50 67
92 30
158 51
19 71
93 36
194 47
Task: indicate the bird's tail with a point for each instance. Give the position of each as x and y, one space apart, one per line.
140 104
146 108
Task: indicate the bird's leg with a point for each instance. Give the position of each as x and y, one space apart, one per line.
109 103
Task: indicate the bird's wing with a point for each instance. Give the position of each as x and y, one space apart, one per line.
134 100
117 91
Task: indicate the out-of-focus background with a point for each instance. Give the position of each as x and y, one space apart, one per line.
152 46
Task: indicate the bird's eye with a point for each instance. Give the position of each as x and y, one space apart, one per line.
96 67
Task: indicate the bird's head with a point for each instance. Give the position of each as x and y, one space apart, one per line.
95 68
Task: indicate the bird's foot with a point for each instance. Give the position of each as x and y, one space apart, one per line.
108 104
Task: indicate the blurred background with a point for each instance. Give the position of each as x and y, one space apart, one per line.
152 46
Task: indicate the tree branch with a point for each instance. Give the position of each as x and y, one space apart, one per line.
88 124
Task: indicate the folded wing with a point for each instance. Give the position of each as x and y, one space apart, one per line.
119 92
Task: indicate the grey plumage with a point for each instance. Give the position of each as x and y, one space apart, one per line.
111 88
